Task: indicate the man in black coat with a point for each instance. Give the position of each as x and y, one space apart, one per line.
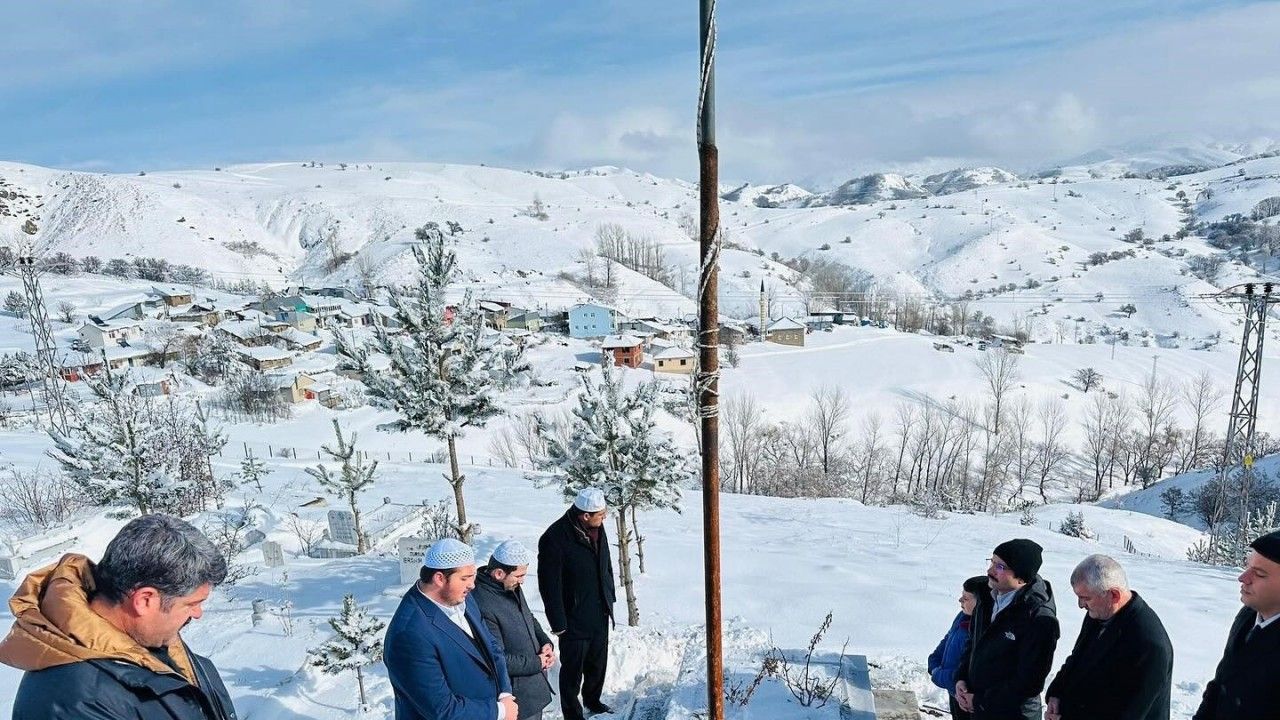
1245 687
1121 667
575 579
1012 639
528 649
101 642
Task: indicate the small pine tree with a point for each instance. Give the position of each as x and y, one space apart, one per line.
16 303
1174 502
1028 518
354 477
358 644
252 470
1074 526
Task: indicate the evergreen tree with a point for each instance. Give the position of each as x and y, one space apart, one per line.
18 369
16 303
117 450
441 377
252 470
354 477
358 644
614 446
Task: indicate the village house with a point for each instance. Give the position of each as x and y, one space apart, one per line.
589 320
627 351
530 320
325 309
674 360
495 313
99 334
200 313
786 331
265 357
249 333
172 296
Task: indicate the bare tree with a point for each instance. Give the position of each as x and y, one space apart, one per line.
828 415
66 312
1021 444
1203 398
1155 406
869 458
999 370
367 273
744 425
1051 452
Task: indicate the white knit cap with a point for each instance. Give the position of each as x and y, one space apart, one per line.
590 500
448 553
512 553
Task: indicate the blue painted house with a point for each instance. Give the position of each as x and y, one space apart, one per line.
590 320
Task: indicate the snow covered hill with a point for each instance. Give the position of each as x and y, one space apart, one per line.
1023 251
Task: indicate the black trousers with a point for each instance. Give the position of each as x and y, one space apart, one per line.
956 712
582 666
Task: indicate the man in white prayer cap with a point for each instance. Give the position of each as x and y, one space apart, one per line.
442 661
504 609
575 579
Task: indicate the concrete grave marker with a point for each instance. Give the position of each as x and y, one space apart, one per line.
411 550
342 526
253 537
272 555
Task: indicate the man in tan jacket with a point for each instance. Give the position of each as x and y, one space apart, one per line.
101 642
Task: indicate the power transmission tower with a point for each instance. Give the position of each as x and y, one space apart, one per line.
1243 420
46 350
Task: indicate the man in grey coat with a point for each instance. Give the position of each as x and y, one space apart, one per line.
504 609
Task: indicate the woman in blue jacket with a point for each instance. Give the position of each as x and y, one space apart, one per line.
945 659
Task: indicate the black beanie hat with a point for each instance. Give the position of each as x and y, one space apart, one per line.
1268 546
977 585
1022 556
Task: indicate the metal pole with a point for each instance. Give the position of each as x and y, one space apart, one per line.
708 354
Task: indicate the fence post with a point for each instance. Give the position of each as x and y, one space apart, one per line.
410 456
271 450
246 449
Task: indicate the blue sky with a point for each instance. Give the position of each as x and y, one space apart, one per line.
806 89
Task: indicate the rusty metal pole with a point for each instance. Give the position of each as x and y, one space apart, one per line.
708 355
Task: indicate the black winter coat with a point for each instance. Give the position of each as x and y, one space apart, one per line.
575 580
520 637
1008 658
117 690
1124 674
1245 686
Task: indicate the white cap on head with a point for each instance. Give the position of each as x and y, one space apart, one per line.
448 553
590 500
512 553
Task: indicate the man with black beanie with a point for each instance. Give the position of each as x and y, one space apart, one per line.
1013 638
1244 686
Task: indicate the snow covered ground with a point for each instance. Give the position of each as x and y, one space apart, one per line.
889 576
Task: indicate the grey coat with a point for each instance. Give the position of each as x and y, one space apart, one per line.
520 636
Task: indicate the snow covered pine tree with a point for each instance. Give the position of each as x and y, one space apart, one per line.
358 644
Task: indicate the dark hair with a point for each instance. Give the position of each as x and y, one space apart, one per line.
495 565
426 573
161 552
977 585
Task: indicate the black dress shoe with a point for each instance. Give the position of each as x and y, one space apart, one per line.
599 709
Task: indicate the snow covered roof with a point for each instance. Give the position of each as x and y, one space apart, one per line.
785 324
242 329
674 353
491 306
615 342
169 290
264 352
297 337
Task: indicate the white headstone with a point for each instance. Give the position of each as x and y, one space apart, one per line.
272 555
411 550
342 526
6 568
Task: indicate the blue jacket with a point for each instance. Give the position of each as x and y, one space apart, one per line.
946 658
436 671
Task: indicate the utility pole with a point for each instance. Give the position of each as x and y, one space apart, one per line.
1242 423
38 315
708 352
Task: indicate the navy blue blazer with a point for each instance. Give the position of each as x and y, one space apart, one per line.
436 671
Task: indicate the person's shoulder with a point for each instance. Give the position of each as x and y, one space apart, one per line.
62 688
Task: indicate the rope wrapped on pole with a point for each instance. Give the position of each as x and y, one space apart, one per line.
708 372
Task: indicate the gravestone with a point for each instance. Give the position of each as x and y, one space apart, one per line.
253 537
342 526
6 568
411 550
259 611
272 555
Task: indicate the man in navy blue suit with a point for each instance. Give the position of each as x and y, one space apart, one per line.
441 659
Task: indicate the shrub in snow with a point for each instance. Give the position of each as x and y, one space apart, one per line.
808 687
1028 518
358 644
1073 526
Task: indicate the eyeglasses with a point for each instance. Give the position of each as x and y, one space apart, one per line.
999 566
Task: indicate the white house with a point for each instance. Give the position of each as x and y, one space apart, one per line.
97 335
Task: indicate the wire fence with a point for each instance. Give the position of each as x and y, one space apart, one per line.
244 449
